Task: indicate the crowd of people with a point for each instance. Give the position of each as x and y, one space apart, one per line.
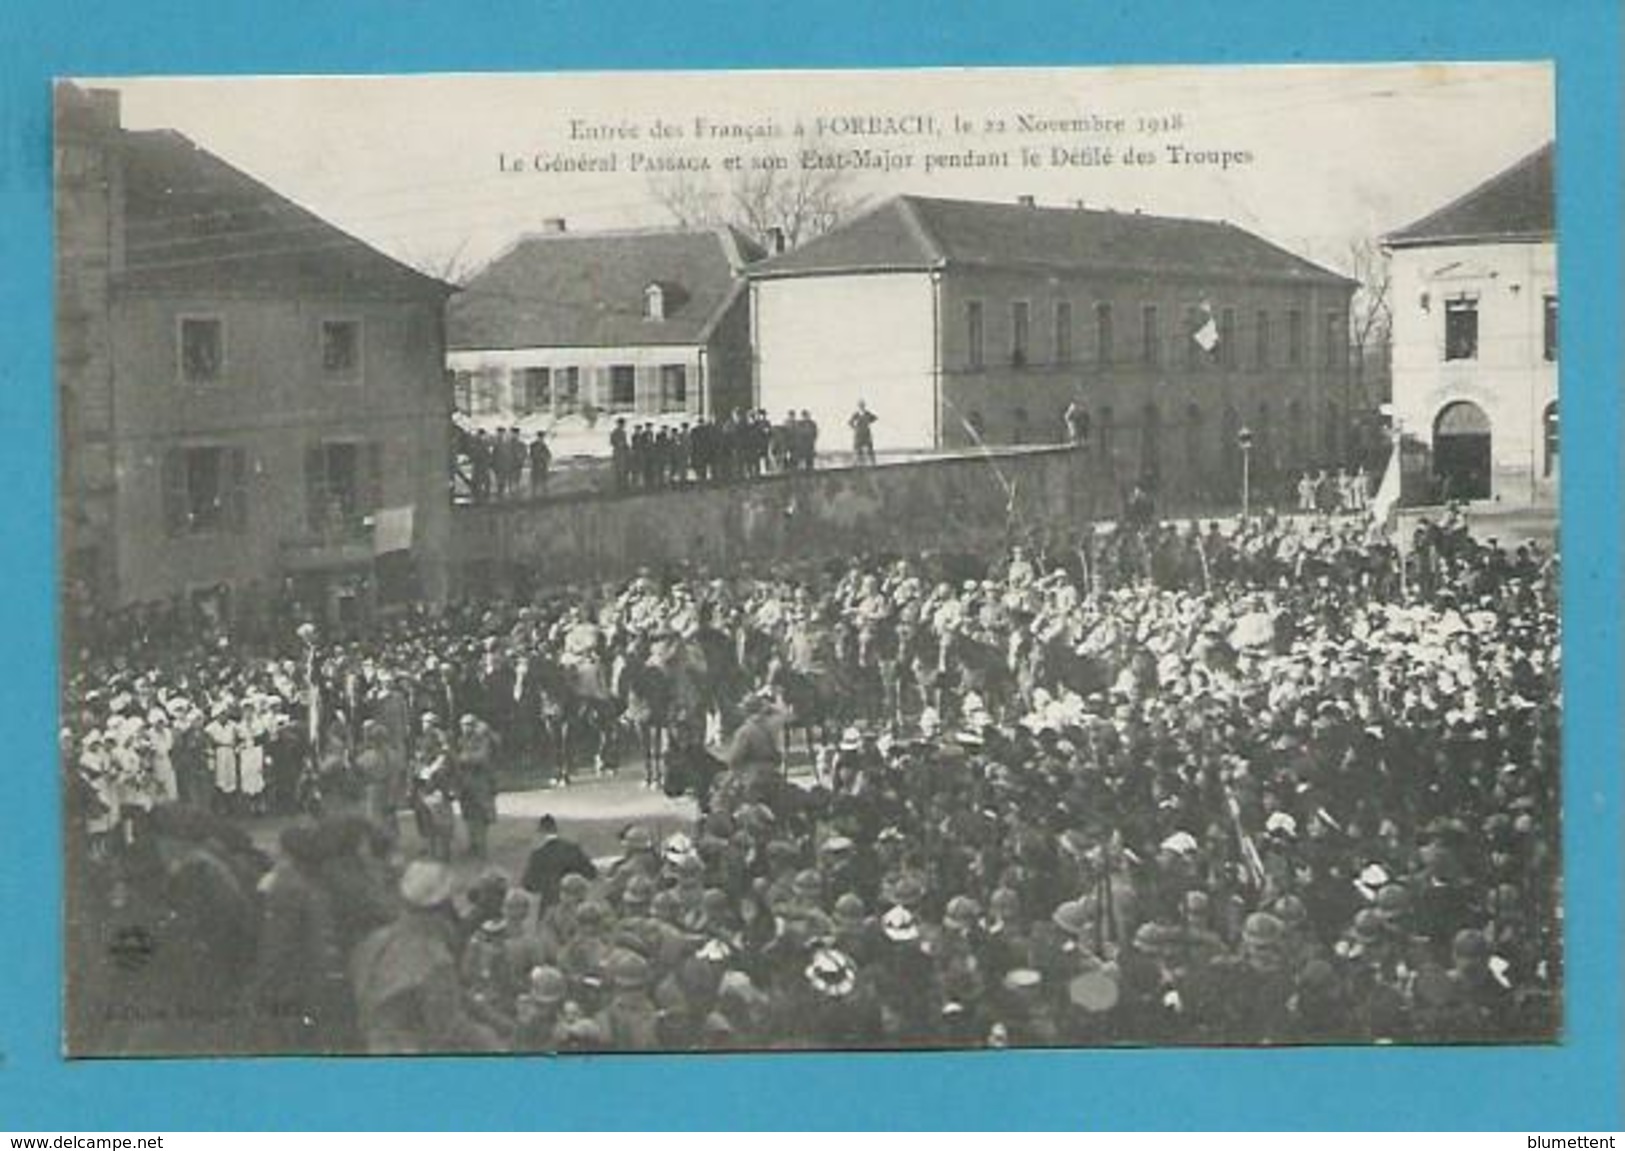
1282 784
652 455
1343 491
742 445
504 465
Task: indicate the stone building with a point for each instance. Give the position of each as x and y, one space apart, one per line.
1475 347
252 402
961 321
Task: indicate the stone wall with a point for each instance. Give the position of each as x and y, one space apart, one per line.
959 504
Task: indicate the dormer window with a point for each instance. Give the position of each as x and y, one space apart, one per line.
654 302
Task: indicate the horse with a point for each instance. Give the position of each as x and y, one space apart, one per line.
722 681
980 667
691 770
660 684
645 697
590 710
810 701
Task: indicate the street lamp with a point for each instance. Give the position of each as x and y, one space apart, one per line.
1244 438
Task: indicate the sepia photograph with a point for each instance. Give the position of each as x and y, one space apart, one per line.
834 560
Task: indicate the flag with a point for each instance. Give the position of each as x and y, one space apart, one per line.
1386 502
1207 336
392 530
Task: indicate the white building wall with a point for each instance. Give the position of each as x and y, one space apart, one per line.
500 374
824 342
1510 379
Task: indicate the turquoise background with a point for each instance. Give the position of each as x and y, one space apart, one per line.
1575 1086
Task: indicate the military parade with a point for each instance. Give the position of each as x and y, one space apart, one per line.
1286 783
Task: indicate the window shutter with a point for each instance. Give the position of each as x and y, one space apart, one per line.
173 467
236 489
372 489
316 485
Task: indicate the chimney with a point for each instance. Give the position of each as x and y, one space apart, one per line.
775 241
553 225
1079 205
104 108
86 111
1027 201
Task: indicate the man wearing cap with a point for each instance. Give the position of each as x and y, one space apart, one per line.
538 1011
756 742
629 1020
405 976
476 780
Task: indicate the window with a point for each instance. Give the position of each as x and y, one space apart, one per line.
1549 335
342 487
536 393
1150 335
1549 433
1461 328
462 391
1227 338
1106 431
623 388
974 349
486 396
341 349
1336 339
654 302
674 387
1063 331
202 349
1261 341
1020 332
566 391
205 490
1103 334
1294 339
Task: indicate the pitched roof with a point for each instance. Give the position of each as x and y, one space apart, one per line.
586 289
916 233
1516 203
192 220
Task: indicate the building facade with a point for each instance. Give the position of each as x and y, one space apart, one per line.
243 388
963 322
1475 353
566 331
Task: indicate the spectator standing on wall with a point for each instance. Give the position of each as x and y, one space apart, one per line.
700 442
781 445
620 453
479 458
862 423
806 440
541 459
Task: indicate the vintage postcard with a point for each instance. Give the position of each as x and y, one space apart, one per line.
853 560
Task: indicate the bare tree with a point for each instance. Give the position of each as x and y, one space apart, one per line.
1370 311
691 201
452 266
799 202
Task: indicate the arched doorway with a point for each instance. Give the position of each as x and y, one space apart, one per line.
1461 451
